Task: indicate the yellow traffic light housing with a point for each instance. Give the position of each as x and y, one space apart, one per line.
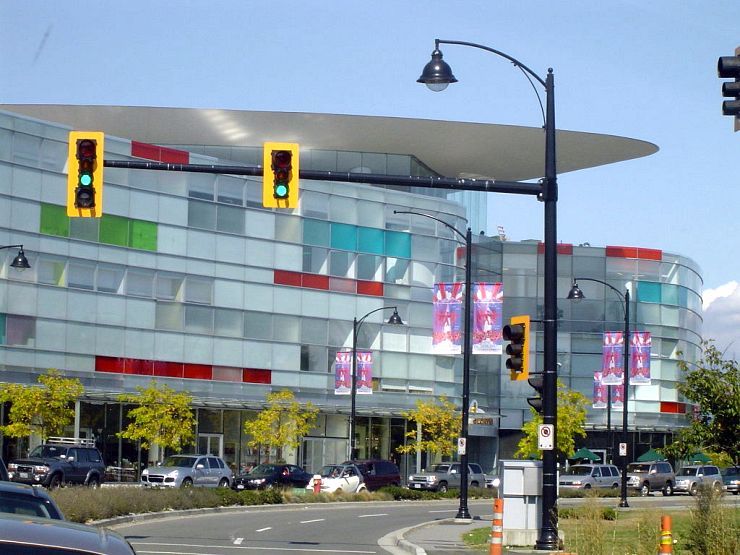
85 174
517 333
280 163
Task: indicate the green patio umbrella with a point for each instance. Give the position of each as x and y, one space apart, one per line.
651 455
700 458
584 453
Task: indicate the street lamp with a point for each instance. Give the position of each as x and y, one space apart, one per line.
463 514
576 294
20 262
437 75
356 324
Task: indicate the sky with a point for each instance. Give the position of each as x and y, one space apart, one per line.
644 70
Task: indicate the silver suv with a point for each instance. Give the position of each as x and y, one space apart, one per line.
651 476
185 471
444 476
587 476
690 478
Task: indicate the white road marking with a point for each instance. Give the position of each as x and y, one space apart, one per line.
238 541
366 516
252 548
264 529
445 511
314 520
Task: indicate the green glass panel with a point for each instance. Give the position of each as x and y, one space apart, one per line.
398 244
114 230
143 235
344 236
648 292
670 294
54 220
316 233
370 239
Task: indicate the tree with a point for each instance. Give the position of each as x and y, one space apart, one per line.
162 417
713 386
45 409
283 423
440 427
571 419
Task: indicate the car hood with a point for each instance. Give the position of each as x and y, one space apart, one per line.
255 476
39 460
167 469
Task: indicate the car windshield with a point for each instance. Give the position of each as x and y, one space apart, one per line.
179 461
732 471
49 451
24 505
441 468
687 472
639 468
265 469
578 471
332 470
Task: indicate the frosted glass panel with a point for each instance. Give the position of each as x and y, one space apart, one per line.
199 319
169 316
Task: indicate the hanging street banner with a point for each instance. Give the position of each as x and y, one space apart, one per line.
447 323
618 396
640 344
601 392
364 384
612 372
488 300
343 373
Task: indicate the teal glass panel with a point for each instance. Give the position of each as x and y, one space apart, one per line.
2 329
143 235
670 294
648 292
397 244
316 233
344 236
370 239
683 297
54 220
114 230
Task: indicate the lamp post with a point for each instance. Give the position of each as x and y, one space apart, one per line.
463 514
20 262
437 75
575 293
356 324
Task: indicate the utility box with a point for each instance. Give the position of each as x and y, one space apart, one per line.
521 489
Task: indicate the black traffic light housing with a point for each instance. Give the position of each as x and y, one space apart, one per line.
537 381
728 67
517 333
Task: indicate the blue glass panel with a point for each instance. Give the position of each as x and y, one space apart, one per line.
316 232
648 292
670 294
344 236
397 244
370 239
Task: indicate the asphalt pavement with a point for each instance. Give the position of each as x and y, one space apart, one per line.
439 536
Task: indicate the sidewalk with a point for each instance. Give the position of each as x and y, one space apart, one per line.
439 536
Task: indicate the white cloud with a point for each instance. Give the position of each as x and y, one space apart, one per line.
722 318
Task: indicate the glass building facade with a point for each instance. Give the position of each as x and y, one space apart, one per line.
188 280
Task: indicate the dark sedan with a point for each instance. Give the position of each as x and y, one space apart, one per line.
266 476
25 500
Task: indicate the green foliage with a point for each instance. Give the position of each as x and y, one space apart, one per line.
713 386
571 419
440 427
45 409
163 417
714 528
282 424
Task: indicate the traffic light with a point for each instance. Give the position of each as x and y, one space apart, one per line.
517 333
85 174
537 381
729 67
280 175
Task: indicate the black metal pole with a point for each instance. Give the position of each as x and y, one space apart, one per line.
353 414
548 533
463 513
609 438
625 396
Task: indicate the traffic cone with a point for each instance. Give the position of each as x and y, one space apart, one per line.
666 539
497 528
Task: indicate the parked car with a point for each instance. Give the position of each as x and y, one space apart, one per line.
22 499
378 473
690 478
60 461
651 476
188 471
492 479
587 476
336 478
27 535
731 479
444 476
266 476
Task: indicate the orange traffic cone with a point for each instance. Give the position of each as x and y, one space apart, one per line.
666 539
497 528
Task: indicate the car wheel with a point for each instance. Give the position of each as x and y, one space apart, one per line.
586 486
474 485
187 483
93 482
224 483
615 485
442 488
668 489
362 487
55 482
717 488
693 489
645 489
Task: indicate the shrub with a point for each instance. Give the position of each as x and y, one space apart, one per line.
713 530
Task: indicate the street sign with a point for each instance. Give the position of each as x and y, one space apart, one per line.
461 445
622 449
545 437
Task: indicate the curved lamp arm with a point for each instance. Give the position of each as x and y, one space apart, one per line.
453 228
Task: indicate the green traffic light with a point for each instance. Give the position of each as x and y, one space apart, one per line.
281 190
86 179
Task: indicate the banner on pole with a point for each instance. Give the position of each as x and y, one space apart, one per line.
343 373
364 384
612 372
488 299
447 324
601 392
640 345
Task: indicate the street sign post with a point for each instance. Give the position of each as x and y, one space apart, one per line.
545 437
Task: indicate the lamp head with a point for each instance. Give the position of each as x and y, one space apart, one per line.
437 73
20 262
395 318
575 293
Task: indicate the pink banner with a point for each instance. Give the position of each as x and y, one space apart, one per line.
343 373
611 359
640 344
488 301
447 325
364 373
600 392
618 396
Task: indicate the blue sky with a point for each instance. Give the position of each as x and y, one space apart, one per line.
630 68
